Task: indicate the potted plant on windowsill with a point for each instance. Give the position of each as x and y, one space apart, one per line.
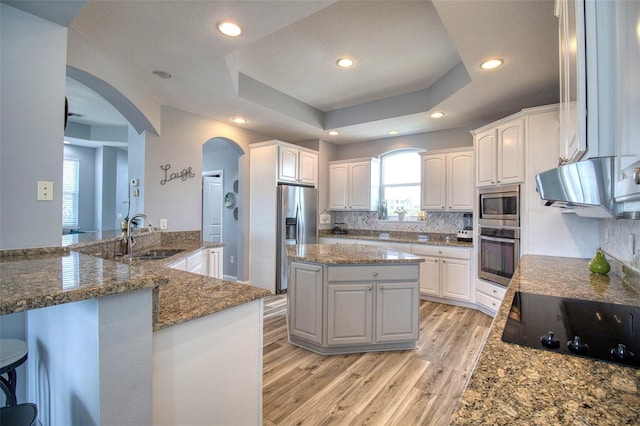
401 212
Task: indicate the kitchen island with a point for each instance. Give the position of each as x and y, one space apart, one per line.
129 327
517 385
348 298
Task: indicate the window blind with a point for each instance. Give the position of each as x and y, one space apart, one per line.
70 179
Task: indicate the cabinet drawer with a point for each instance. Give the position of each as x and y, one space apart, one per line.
373 273
495 291
487 301
442 251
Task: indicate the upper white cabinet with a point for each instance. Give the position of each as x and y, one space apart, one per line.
297 166
447 181
573 109
354 184
499 152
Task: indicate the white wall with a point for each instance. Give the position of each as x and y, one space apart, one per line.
445 139
180 144
32 87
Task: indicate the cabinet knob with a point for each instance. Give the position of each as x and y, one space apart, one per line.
369 288
493 181
375 274
437 260
444 261
381 287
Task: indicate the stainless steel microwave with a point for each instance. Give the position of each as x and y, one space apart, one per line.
499 206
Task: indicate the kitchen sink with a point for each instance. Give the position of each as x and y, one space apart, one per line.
156 254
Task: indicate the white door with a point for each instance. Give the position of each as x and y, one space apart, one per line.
212 208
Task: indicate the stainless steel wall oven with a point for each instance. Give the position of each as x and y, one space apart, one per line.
499 253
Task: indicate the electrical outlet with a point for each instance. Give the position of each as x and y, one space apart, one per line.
163 223
232 259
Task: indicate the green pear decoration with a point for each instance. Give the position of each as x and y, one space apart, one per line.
599 263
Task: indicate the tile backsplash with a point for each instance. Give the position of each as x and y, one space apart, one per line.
614 240
436 222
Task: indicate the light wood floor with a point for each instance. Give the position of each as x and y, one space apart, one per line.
418 387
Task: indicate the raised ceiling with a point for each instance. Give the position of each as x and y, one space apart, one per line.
412 57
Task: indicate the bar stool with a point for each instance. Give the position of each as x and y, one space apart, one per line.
13 353
19 415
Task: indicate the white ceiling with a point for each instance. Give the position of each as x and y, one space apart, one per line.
412 57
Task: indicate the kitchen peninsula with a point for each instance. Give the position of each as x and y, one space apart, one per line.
513 384
138 333
352 298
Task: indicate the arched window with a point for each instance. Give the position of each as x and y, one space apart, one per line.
400 181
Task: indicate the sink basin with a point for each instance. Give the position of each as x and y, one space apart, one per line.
156 254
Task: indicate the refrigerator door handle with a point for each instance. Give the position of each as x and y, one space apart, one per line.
299 223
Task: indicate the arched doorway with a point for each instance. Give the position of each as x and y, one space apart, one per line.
220 166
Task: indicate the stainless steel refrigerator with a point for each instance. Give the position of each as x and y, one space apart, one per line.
297 224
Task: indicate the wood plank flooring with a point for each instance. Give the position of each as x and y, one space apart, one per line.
417 387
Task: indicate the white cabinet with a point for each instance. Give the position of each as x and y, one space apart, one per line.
194 262
489 296
179 264
350 314
499 152
305 306
447 181
214 262
354 184
297 166
446 272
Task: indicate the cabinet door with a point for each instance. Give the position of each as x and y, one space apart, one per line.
511 152
307 168
288 165
430 276
396 312
359 186
305 305
486 156
456 278
215 263
460 189
180 264
194 263
338 186
349 314
433 182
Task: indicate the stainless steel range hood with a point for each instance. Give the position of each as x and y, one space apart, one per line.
586 187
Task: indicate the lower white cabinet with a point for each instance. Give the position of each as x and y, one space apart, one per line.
336 240
489 296
353 308
305 301
204 262
446 271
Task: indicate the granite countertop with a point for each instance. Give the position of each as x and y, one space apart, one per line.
336 254
516 385
41 277
435 239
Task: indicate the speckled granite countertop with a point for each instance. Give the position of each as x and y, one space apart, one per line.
400 237
336 254
516 385
37 278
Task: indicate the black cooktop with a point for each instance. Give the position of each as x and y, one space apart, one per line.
597 330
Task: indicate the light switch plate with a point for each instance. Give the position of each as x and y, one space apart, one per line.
163 223
45 191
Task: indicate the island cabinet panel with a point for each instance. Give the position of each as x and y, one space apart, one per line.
350 314
396 311
305 307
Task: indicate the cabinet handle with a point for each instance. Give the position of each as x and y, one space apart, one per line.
444 261
437 260
381 287
369 288
495 292
375 274
493 303
636 175
493 181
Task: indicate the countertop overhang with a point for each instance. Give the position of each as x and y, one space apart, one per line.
342 254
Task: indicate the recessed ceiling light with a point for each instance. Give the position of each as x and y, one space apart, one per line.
229 28
345 62
161 74
393 132
437 114
239 120
333 133
491 64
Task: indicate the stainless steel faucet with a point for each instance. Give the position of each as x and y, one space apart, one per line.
130 242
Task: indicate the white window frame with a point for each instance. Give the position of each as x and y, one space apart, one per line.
70 188
383 186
